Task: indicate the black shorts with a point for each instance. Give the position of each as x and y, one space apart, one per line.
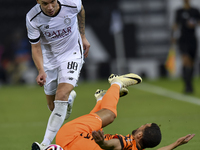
188 46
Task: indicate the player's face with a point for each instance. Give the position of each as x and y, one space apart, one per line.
49 7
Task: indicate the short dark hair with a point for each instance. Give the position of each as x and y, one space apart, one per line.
151 136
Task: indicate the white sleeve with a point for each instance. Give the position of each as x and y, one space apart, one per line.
33 31
79 4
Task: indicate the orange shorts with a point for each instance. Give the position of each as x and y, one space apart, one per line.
71 131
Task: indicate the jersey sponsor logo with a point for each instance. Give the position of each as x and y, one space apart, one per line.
58 33
72 65
46 26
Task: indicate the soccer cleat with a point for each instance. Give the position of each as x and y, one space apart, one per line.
100 93
37 146
70 104
123 92
125 80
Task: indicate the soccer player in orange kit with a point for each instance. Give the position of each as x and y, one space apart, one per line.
86 133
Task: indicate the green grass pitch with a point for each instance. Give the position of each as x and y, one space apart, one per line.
24 113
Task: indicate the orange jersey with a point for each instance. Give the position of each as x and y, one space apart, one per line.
85 141
76 135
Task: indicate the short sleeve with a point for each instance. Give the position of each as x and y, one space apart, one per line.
79 4
32 31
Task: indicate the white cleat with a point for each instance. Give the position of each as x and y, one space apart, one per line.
37 146
125 80
70 104
100 93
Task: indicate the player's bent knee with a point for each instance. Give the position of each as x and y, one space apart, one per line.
108 119
62 94
112 117
107 116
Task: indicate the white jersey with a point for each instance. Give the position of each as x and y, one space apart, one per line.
59 35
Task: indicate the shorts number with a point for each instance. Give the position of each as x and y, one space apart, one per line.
72 65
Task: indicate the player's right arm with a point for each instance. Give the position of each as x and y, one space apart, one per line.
180 141
34 38
112 144
38 60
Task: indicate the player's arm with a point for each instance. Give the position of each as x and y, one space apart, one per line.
112 144
180 141
81 21
38 60
81 25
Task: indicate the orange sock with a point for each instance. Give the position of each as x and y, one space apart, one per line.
111 98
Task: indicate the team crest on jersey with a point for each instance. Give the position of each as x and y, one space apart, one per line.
46 26
67 21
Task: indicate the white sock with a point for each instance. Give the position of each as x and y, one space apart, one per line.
99 99
55 121
117 83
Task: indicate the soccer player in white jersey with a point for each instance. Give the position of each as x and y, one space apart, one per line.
56 31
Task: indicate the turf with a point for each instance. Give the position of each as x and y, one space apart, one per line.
24 113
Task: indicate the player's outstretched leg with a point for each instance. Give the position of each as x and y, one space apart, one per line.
99 96
100 93
71 98
125 80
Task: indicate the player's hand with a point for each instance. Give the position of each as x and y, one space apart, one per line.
185 139
180 141
41 78
98 137
86 46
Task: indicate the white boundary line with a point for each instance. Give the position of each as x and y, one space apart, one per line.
167 93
